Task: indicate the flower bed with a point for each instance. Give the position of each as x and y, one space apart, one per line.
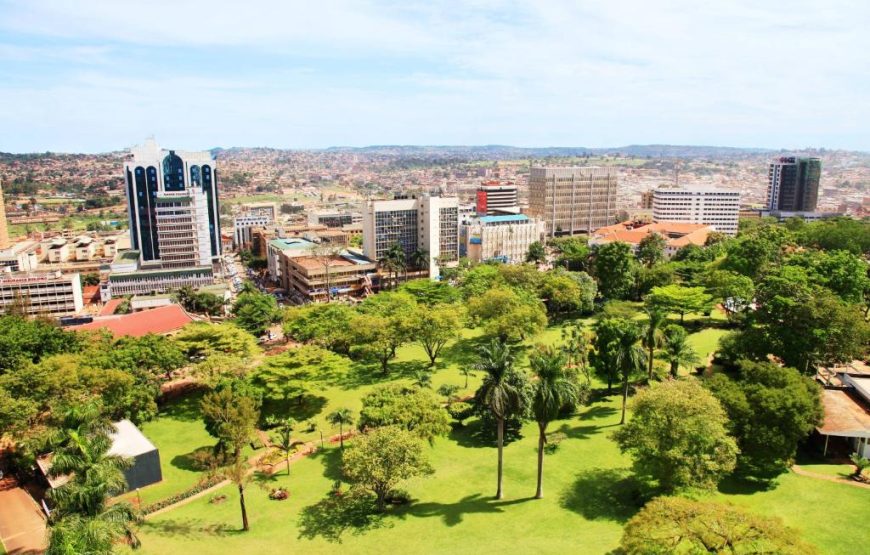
200 487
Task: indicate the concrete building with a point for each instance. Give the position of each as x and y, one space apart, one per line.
505 238
494 198
286 246
266 209
21 257
425 223
173 206
793 184
242 226
50 293
337 219
572 200
696 204
310 278
139 281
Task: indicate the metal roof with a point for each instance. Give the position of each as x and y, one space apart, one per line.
503 219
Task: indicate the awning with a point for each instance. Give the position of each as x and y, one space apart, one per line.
846 414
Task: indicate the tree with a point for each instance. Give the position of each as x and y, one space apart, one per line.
203 340
91 279
652 337
554 391
377 337
420 259
394 261
237 473
327 325
561 292
842 272
576 347
770 410
676 349
573 253
679 299
679 525
507 314
651 249
537 253
341 417
231 416
630 358
615 269
415 409
736 291
431 293
284 439
288 376
606 342
22 339
499 393
434 327
255 311
677 437
382 458
466 372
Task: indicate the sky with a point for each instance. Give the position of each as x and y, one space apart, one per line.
101 75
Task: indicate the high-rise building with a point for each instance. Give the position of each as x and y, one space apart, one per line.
572 200
4 230
173 206
426 223
493 199
793 184
718 208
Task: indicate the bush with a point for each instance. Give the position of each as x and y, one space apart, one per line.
198 488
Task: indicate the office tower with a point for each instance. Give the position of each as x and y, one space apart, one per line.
173 206
646 200
494 198
426 223
572 200
4 230
50 293
793 184
718 208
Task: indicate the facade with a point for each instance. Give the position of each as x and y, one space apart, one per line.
718 208
267 209
287 246
572 200
505 238
426 223
143 282
242 226
51 293
494 198
793 184
173 206
310 278
20 257
338 219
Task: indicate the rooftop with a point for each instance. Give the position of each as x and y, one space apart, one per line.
512 218
162 320
129 441
288 243
845 414
677 234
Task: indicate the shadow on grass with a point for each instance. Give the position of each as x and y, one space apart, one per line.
464 352
363 373
190 528
598 411
184 408
330 458
453 513
300 410
742 485
332 517
195 461
477 433
604 494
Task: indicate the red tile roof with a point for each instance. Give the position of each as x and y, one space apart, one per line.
162 320
676 234
110 307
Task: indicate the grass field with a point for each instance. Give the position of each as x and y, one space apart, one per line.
588 488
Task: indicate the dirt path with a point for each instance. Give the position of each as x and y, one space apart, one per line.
798 470
22 526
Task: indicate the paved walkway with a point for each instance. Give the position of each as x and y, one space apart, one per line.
22 526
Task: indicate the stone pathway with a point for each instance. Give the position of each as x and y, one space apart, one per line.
22 525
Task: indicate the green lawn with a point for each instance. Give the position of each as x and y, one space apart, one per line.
587 486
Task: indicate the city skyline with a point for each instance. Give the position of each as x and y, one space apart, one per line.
80 78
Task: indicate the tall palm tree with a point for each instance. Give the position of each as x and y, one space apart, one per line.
676 349
341 417
499 393
420 259
284 439
576 348
652 336
553 391
630 359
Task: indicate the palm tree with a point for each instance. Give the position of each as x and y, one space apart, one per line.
676 349
284 439
652 337
576 348
499 393
553 391
630 359
341 417
420 259
237 473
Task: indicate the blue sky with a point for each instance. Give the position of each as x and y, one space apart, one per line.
99 75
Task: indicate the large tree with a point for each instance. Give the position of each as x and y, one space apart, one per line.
677 525
507 314
735 291
537 253
630 359
677 437
501 393
651 249
435 326
652 336
255 312
415 409
381 459
231 416
676 350
327 325
679 299
201 340
615 270
770 410
554 390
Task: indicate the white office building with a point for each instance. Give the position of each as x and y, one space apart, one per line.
52 293
427 223
173 206
505 238
713 206
242 226
494 198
